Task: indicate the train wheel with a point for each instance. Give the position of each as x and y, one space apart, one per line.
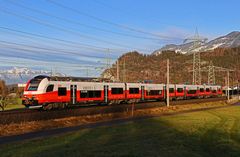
47 107
62 106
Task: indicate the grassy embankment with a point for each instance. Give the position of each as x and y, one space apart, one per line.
205 133
16 105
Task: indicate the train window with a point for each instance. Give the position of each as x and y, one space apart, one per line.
32 87
201 89
154 92
207 90
84 94
192 91
133 90
50 88
34 83
214 91
62 91
171 90
90 94
180 90
117 91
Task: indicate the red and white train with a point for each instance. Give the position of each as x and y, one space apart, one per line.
53 92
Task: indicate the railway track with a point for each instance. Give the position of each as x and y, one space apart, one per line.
26 115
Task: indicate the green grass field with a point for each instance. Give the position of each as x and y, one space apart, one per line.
16 105
206 133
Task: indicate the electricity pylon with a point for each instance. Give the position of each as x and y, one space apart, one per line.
211 69
211 77
211 74
197 41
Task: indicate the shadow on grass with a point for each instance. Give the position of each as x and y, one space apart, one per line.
146 138
207 134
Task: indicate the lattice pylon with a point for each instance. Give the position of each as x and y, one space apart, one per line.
197 40
211 74
197 77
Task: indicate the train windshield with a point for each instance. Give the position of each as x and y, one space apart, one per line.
34 83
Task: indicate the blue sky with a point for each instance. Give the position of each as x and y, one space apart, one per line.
73 36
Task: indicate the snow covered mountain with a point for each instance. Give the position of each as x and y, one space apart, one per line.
228 41
22 75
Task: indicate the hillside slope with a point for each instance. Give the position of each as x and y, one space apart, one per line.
140 67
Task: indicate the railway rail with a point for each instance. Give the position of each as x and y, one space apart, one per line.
26 115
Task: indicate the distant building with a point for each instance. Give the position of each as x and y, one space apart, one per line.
21 85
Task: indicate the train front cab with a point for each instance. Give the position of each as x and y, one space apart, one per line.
32 93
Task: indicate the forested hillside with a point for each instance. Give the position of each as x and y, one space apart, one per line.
140 67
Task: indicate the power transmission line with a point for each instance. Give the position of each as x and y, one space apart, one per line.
35 20
42 48
109 22
49 64
145 18
55 59
87 46
38 58
53 50
49 42
80 24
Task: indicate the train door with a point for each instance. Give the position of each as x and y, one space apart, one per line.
125 91
165 92
142 93
175 91
106 94
197 92
73 95
185 92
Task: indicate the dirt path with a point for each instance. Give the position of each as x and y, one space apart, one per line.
59 131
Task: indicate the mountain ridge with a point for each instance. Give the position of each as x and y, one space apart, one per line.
230 40
22 74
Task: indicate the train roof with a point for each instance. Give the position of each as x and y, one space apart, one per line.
81 79
69 78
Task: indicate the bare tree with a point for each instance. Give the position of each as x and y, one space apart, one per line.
3 95
3 102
